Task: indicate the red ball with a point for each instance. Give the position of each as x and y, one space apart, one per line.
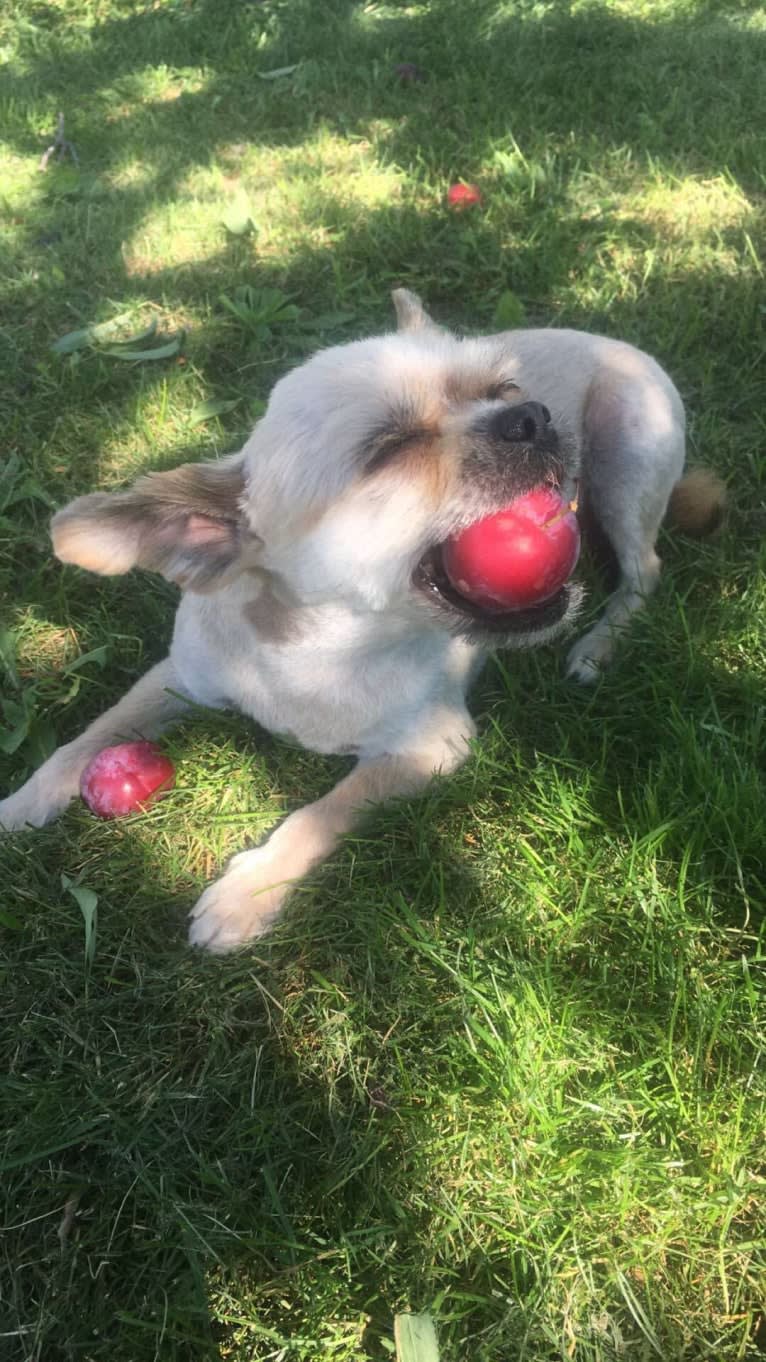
519 556
122 779
463 196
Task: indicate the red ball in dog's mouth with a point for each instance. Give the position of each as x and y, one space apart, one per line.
517 557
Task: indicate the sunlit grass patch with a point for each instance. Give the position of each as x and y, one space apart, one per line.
694 208
42 645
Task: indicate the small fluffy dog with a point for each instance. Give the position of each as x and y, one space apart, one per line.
314 598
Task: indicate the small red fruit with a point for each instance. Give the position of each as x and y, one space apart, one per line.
461 196
519 556
122 779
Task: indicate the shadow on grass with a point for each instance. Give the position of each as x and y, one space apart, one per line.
587 85
661 84
592 84
274 1119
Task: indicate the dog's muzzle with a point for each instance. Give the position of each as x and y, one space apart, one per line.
516 449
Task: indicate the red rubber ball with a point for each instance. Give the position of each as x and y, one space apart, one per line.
122 779
460 196
518 557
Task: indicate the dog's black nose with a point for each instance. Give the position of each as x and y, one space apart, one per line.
526 423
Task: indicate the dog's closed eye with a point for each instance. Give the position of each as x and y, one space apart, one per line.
386 446
505 387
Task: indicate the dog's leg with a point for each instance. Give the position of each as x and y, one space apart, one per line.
245 901
639 574
634 457
145 711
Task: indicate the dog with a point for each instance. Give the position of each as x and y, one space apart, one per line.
314 597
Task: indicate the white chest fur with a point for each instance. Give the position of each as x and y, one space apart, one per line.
330 679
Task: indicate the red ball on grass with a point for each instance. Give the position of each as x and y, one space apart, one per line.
518 557
460 196
122 779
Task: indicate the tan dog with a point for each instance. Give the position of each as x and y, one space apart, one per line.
313 594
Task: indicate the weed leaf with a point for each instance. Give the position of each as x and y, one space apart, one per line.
238 219
139 336
98 655
86 335
159 352
8 654
277 72
415 1338
216 406
509 310
88 902
17 485
18 718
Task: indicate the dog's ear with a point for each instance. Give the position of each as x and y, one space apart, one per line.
186 524
410 312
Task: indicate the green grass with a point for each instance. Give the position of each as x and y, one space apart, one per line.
504 1060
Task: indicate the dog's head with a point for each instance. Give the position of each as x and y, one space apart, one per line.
369 456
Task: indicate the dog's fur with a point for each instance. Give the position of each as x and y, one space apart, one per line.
314 596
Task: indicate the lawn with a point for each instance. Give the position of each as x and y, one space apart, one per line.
503 1060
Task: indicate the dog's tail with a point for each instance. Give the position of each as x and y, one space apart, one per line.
697 503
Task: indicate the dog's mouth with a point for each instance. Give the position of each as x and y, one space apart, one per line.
483 623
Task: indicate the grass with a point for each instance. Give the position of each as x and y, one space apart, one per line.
504 1059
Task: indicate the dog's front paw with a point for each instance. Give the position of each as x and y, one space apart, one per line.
31 806
241 905
13 814
583 669
588 657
